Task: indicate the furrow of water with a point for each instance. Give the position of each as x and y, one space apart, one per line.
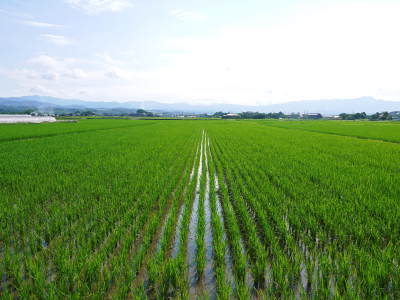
192 247
209 272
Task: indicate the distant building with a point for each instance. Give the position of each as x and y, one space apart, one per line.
231 116
312 116
333 117
25 119
395 115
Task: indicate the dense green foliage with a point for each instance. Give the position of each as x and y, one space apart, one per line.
136 208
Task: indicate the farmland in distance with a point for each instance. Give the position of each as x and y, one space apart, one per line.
191 208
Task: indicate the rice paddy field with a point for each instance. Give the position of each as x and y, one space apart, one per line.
126 209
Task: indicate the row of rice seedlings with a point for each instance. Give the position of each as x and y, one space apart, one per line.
167 275
252 186
98 263
157 267
174 192
176 242
159 240
209 269
154 269
292 245
192 242
198 282
249 229
103 272
290 257
176 280
256 249
130 260
243 286
129 286
222 258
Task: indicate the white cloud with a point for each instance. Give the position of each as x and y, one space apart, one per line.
93 7
45 67
58 40
41 90
72 77
40 24
50 76
75 73
343 51
108 60
185 15
25 73
112 74
45 61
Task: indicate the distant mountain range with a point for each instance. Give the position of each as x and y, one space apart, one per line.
325 107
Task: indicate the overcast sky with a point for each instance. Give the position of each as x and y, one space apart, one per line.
205 51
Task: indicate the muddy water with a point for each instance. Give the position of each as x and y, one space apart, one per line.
177 240
3 282
194 163
191 254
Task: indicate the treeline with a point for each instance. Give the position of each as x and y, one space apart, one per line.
383 116
120 112
257 115
379 116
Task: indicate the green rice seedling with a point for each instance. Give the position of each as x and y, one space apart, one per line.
200 246
299 209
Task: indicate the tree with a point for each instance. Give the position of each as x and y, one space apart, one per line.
385 116
142 112
219 114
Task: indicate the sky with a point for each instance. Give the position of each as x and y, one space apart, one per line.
255 52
